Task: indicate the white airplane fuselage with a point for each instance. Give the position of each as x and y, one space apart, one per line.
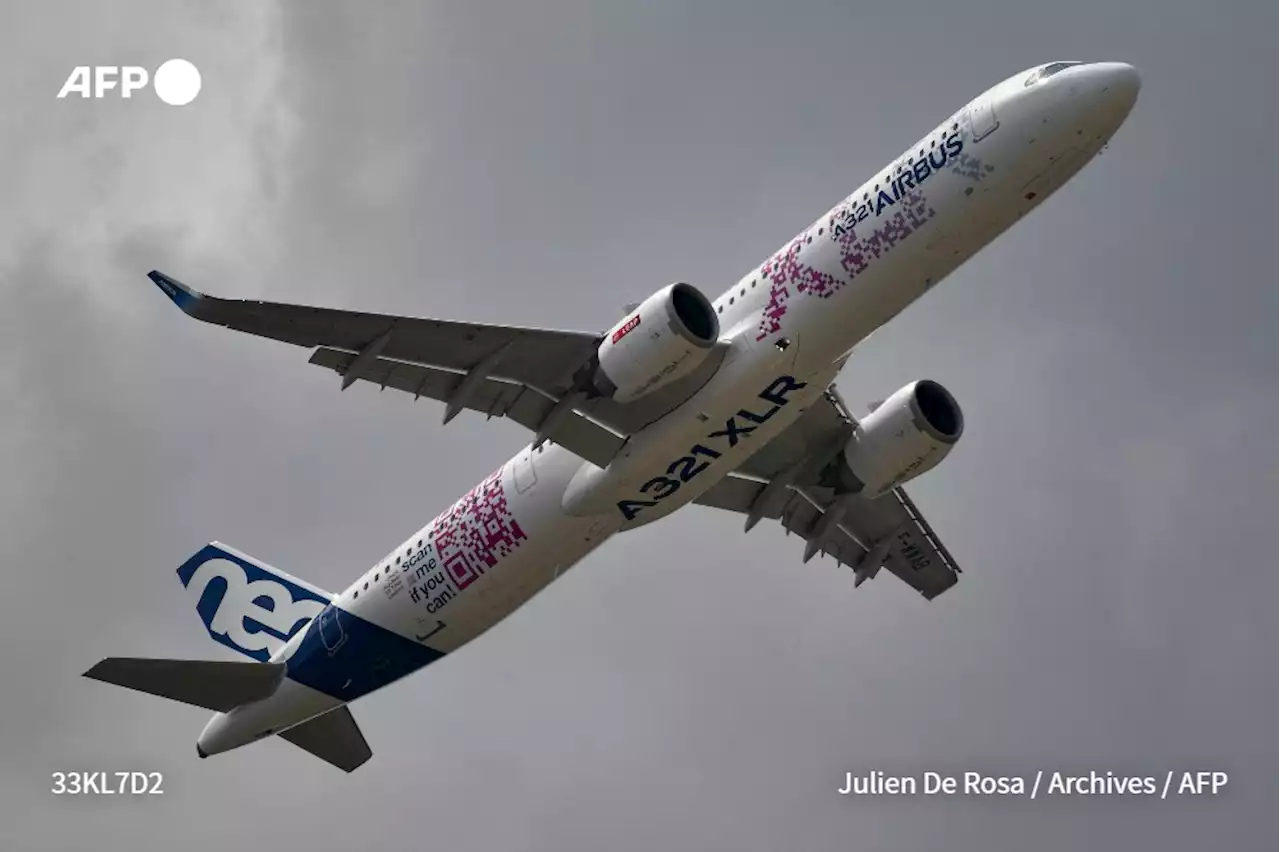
789 325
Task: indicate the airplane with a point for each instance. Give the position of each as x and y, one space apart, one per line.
727 403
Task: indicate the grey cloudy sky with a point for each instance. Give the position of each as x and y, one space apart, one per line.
688 687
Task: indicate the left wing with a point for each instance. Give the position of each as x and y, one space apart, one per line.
783 482
533 376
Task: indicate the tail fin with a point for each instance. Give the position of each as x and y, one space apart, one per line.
204 683
248 605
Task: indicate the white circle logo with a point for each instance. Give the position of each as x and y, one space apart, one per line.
177 82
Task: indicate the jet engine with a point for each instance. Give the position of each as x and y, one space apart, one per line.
664 339
906 435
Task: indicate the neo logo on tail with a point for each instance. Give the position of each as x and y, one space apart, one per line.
246 605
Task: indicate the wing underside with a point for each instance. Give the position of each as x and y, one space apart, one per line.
781 483
534 376
491 396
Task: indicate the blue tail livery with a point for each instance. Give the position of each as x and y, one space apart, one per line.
248 605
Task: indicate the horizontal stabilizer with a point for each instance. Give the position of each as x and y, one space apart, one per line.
334 738
213 685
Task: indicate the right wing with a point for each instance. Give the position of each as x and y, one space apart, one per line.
530 375
536 357
492 396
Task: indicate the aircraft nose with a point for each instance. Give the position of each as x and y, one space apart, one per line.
1121 82
1110 90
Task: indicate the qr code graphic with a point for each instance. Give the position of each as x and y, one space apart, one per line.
476 532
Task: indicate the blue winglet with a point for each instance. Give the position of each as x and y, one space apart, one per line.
182 295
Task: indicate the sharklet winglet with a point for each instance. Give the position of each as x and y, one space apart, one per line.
182 295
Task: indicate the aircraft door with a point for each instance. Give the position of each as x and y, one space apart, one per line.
525 475
982 118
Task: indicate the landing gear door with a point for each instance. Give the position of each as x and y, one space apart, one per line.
982 119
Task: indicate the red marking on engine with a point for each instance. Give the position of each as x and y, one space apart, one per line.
622 332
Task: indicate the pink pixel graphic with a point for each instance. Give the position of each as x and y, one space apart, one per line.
476 532
858 252
785 271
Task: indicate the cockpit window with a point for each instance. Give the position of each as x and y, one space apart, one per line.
1054 67
1048 71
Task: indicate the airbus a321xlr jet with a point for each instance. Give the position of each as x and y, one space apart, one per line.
726 403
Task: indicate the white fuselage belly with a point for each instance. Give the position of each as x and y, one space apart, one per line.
842 278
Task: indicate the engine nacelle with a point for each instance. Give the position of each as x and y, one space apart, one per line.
908 434
663 340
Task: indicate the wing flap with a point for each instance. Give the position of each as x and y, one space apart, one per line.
491 396
914 555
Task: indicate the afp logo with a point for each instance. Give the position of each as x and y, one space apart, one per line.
244 605
177 82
